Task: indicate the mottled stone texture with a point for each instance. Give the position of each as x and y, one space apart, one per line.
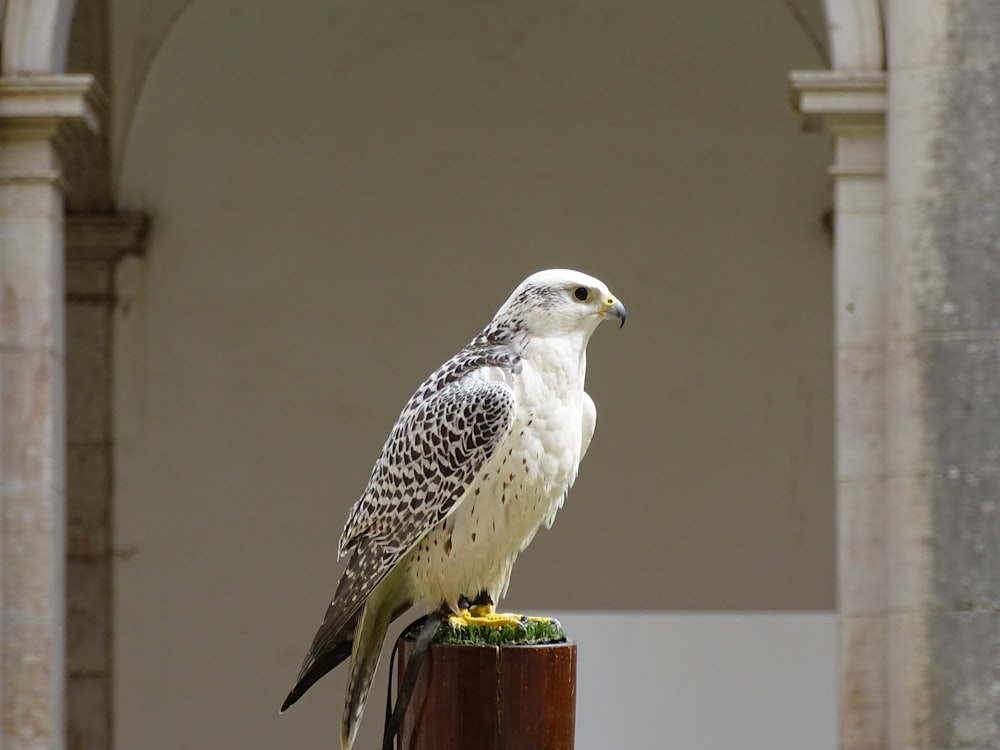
943 369
88 591
36 614
852 105
861 451
93 245
88 707
94 238
86 167
31 444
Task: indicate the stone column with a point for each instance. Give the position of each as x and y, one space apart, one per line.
943 369
852 106
33 111
94 244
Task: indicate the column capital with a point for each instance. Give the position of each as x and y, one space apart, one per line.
39 106
845 102
94 244
38 116
105 237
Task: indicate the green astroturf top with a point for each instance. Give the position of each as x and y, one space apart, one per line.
533 632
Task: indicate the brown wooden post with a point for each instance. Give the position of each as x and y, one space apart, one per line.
491 698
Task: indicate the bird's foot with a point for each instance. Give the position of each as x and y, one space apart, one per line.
484 614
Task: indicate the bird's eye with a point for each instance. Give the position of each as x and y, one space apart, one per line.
581 293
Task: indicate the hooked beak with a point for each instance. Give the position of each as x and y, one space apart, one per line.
612 308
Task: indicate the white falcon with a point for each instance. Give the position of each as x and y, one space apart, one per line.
481 456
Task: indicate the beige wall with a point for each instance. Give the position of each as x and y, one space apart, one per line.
342 195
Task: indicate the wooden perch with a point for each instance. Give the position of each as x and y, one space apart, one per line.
491 698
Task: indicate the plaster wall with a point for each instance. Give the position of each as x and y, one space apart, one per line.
341 197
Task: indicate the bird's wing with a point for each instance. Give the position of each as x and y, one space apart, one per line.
441 441
427 467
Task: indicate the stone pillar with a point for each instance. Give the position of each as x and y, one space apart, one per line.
94 243
943 369
852 106
33 111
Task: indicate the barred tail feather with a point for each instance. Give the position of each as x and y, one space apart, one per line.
369 634
319 665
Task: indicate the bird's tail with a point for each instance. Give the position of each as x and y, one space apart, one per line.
378 612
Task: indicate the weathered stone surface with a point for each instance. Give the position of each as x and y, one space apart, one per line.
31 437
944 375
88 614
944 542
88 486
928 39
29 318
938 291
966 153
31 533
862 542
87 280
860 269
88 373
33 704
944 405
33 409
86 167
966 97
947 671
30 201
965 542
88 599
862 681
861 314
861 414
88 713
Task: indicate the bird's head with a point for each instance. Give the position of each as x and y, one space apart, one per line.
559 302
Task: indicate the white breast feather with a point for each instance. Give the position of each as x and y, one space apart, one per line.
521 487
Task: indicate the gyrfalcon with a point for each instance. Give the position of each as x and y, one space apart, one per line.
481 456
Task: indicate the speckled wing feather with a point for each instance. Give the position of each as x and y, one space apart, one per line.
443 437
445 434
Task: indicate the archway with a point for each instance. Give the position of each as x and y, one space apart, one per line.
37 97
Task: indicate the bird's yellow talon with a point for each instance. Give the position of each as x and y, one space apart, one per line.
484 614
459 619
482 610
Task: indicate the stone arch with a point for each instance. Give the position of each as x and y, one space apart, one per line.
856 32
35 36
